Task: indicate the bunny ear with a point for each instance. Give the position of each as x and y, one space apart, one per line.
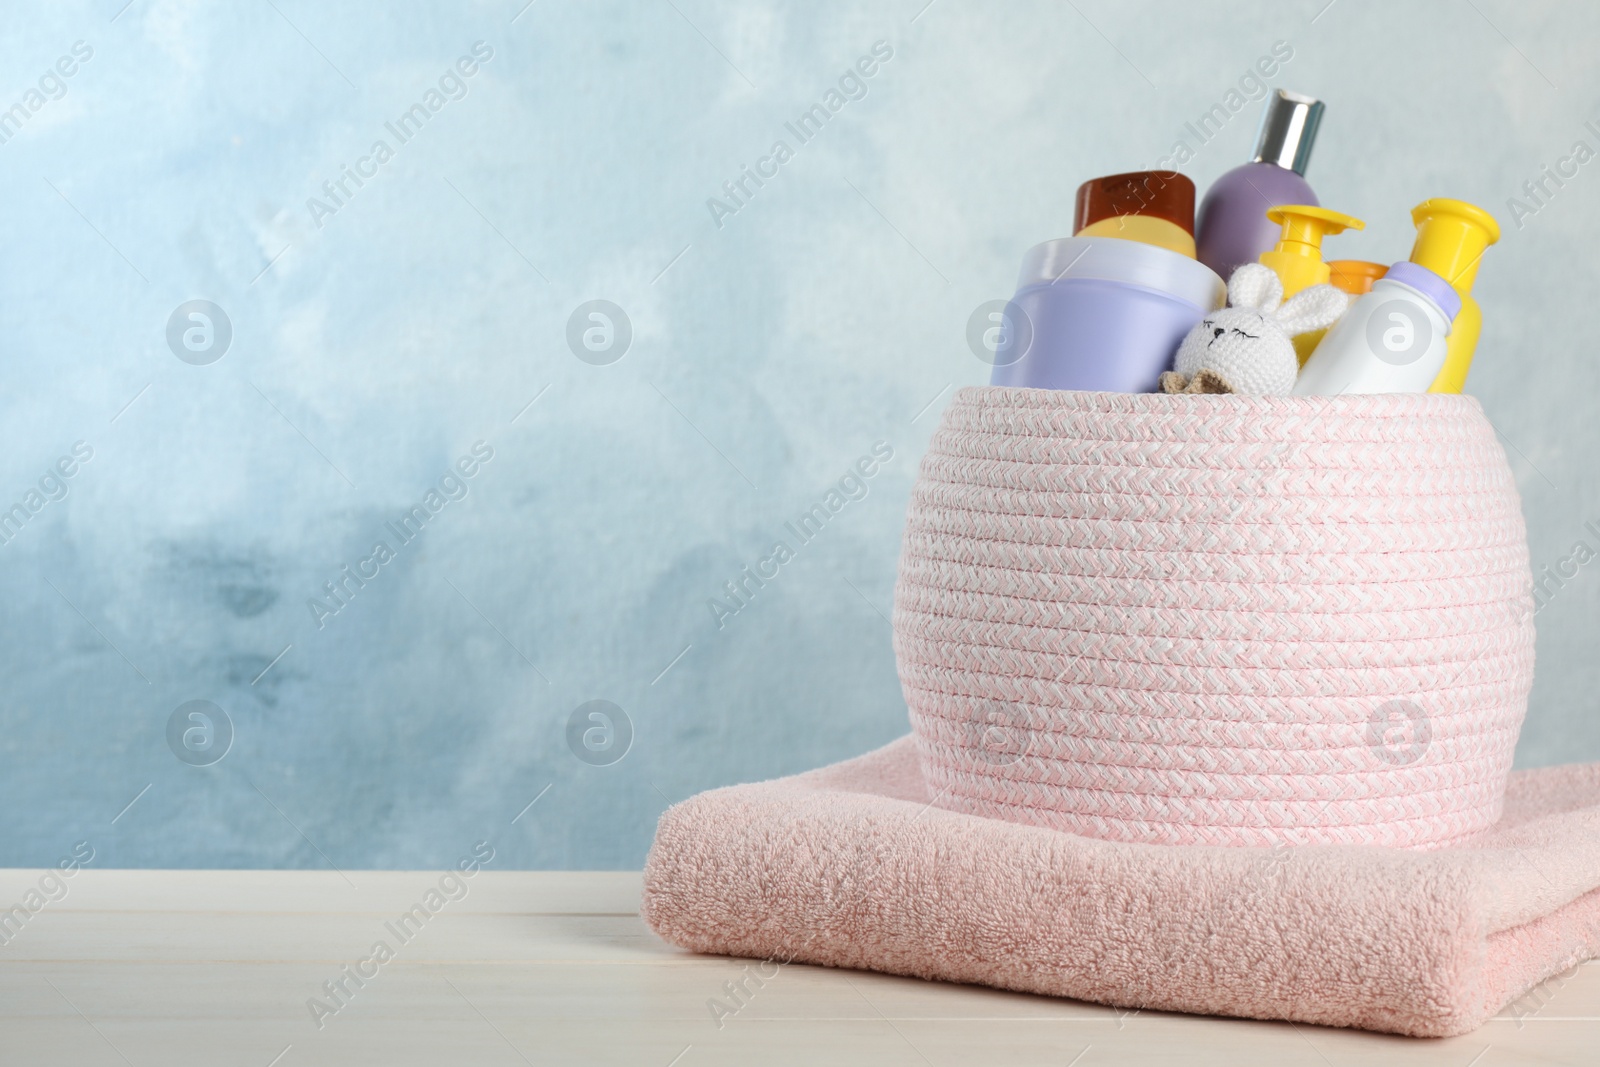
1312 309
1255 286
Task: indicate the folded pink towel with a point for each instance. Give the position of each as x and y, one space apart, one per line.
853 866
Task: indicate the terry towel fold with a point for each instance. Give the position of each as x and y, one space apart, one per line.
852 866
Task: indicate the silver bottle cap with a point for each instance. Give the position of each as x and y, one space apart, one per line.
1288 129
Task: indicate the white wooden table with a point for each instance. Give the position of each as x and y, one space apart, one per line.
216 967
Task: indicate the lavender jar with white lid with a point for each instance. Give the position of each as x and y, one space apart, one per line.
1101 314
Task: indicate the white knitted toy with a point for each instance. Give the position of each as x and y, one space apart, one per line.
1245 348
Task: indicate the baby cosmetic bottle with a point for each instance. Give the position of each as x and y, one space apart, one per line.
1152 206
1297 257
1231 227
1392 340
1452 236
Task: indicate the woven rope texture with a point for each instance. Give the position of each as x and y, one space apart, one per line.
1217 619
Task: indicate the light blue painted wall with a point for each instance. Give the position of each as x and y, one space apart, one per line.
373 347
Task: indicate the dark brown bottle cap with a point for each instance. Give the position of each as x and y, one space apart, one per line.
1161 194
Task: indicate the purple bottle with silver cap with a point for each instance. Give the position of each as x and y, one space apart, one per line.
1231 227
1391 340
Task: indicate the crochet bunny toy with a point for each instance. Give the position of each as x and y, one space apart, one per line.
1245 348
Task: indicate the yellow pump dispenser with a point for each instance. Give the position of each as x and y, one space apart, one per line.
1452 236
1297 259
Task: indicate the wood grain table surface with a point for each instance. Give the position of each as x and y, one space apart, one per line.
265 969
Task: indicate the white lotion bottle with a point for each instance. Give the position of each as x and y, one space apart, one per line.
1392 340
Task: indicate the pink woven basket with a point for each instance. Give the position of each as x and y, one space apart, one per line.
1217 619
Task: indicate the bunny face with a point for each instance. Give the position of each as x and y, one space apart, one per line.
1245 348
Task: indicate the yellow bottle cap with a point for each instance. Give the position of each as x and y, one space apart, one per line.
1355 276
1452 236
1298 255
1305 226
1145 228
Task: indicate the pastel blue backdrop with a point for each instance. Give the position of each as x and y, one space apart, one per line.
377 338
